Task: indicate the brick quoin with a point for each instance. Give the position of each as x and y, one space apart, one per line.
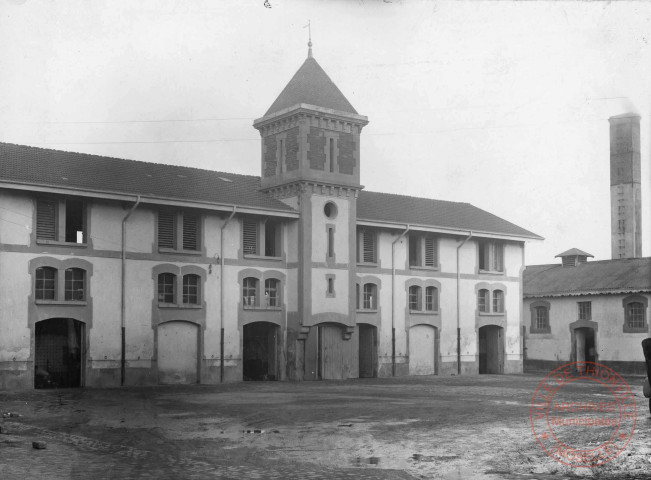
291 149
346 160
317 141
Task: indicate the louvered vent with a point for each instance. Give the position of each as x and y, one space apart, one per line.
369 247
430 252
46 219
250 240
166 229
190 231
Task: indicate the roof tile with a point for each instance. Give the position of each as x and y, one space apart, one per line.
604 276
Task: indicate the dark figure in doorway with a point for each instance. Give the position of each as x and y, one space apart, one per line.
646 348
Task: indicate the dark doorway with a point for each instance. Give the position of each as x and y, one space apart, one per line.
491 349
59 353
367 351
585 345
260 351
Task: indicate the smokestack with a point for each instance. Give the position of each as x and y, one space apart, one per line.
625 186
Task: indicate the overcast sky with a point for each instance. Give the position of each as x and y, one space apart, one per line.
504 105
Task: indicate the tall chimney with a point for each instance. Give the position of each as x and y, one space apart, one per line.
625 187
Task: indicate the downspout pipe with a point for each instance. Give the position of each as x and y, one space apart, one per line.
393 289
221 294
123 362
459 304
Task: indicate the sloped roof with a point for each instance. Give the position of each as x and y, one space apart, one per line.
574 251
606 276
55 168
311 85
403 209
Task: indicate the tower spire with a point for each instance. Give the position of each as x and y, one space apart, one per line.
309 43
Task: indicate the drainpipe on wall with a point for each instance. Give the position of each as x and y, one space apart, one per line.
459 305
123 361
393 288
221 294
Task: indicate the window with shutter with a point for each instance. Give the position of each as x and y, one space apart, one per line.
430 252
46 219
250 237
166 230
414 250
190 231
368 246
491 256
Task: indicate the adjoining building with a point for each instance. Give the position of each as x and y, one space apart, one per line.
582 310
123 272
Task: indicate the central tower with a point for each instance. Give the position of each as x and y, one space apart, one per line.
311 161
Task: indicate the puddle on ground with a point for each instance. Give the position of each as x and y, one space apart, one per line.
366 461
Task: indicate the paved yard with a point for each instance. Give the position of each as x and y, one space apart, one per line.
469 427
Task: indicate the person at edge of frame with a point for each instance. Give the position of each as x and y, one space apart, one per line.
646 348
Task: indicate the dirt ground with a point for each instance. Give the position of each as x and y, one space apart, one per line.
468 427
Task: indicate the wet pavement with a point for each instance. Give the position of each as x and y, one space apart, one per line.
469 427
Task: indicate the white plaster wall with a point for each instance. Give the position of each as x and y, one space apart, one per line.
212 333
15 287
16 218
290 239
448 254
139 295
513 259
105 290
322 303
211 234
319 233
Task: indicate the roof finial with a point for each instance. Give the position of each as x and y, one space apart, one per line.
309 43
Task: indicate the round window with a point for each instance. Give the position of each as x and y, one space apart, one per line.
330 210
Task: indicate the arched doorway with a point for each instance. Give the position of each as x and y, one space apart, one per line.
260 351
178 353
491 349
422 350
367 350
59 353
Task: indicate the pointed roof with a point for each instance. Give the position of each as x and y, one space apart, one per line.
574 251
311 85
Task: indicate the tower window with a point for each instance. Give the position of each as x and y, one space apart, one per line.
331 242
332 155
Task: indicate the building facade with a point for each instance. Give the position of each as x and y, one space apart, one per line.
587 311
117 272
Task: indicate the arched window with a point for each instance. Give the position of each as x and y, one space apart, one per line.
635 312
250 292
414 297
45 286
498 301
166 282
483 300
541 318
191 289
370 296
431 299
75 284
271 292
